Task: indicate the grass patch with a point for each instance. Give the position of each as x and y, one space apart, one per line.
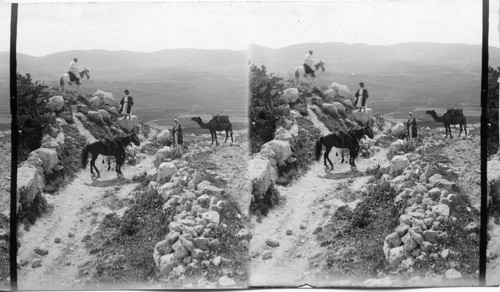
262 203
124 246
355 238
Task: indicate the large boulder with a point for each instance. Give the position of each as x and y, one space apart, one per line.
48 157
280 148
398 130
165 172
259 173
96 117
167 263
283 134
363 117
95 101
128 125
331 109
105 115
164 136
398 165
27 185
107 98
343 91
56 103
161 155
394 148
289 95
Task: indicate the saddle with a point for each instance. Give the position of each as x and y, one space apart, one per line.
72 78
222 119
456 111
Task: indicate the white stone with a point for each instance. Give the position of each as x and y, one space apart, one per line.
259 174
363 117
165 172
289 95
398 130
164 136
280 148
56 103
398 165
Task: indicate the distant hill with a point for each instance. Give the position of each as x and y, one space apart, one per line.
400 78
189 80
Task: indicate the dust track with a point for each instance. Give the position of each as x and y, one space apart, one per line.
299 258
77 209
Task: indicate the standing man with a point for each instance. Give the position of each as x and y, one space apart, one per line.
364 96
127 102
73 73
309 64
411 126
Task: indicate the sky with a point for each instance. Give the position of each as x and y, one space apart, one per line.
46 28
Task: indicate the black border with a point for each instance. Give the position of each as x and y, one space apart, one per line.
483 240
13 170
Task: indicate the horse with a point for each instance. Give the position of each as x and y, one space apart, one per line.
300 71
116 148
65 80
125 141
359 133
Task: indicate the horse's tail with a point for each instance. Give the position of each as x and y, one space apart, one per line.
85 156
319 146
297 75
61 81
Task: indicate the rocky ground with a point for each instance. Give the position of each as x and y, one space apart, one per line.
365 227
175 218
5 151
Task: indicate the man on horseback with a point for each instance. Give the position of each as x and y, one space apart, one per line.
309 64
73 73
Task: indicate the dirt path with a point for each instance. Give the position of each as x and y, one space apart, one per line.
77 210
299 258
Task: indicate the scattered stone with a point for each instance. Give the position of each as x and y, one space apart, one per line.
272 242
36 263
302 226
289 232
225 281
452 274
71 234
267 255
57 240
41 251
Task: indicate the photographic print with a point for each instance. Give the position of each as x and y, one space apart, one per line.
365 135
132 146
255 144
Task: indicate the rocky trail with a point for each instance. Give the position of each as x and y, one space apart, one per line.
284 248
52 254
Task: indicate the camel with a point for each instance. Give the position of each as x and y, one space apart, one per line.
215 126
448 119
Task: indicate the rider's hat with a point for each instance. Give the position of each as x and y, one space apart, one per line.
411 114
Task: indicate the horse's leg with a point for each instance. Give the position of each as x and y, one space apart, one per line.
92 164
465 128
460 130
216 142
327 153
449 129
227 136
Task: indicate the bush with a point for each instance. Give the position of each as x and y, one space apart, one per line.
31 119
263 106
